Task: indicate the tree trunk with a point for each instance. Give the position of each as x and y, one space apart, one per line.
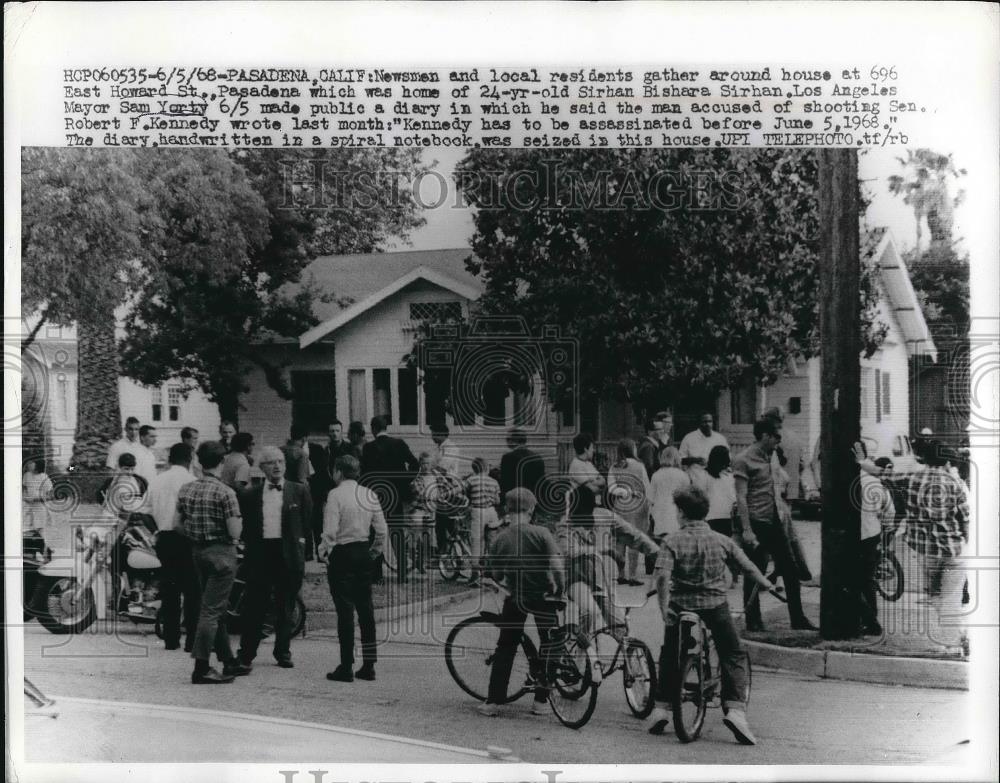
228 403
98 410
840 332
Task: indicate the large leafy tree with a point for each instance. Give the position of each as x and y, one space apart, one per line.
206 327
679 272
85 219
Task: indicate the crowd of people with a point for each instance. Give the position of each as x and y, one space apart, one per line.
692 516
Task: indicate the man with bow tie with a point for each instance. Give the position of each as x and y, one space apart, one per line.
276 518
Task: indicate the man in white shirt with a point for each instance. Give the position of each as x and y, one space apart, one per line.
352 513
698 444
177 574
128 443
145 459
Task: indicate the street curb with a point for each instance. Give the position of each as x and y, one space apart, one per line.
402 611
859 667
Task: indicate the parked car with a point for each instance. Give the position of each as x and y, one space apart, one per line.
880 443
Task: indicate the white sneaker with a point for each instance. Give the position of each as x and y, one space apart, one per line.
659 719
736 722
539 707
489 710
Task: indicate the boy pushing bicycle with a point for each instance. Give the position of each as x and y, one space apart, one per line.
697 561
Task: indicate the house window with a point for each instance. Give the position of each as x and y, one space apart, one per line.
743 402
878 395
156 399
174 403
524 408
437 386
886 408
382 394
62 386
406 380
495 393
314 400
866 381
357 402
435 311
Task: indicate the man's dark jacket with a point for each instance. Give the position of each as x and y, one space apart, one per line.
296 515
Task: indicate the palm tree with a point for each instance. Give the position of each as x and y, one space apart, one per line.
83 213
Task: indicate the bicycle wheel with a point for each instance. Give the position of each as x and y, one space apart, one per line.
689 704
464 558
573 692
469 652
889 577
639 678
450 561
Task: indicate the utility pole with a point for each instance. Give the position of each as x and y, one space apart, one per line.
840 338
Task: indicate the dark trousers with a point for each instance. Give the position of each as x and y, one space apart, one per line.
215 564
512 618
444 526
772 542
350 577
871 554
732 658
267 573
398 541
177 578
723 526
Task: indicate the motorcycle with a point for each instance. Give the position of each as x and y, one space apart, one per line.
70 604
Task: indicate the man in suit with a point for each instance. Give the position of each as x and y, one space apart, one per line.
387 467
276 519
520 467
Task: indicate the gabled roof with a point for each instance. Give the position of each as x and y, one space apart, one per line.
903 299
466 291
358 276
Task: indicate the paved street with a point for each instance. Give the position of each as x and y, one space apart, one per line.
797 719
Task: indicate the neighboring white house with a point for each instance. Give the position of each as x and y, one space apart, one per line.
884 376
51 364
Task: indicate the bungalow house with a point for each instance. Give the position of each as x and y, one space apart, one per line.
351 366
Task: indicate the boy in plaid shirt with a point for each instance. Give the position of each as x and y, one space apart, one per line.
484 497
692 574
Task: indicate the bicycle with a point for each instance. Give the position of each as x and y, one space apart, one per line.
637 665
699 679
889 573
455 560
472 645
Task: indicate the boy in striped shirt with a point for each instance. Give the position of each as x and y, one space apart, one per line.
484 496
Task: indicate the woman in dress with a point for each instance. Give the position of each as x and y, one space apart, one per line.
628 488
